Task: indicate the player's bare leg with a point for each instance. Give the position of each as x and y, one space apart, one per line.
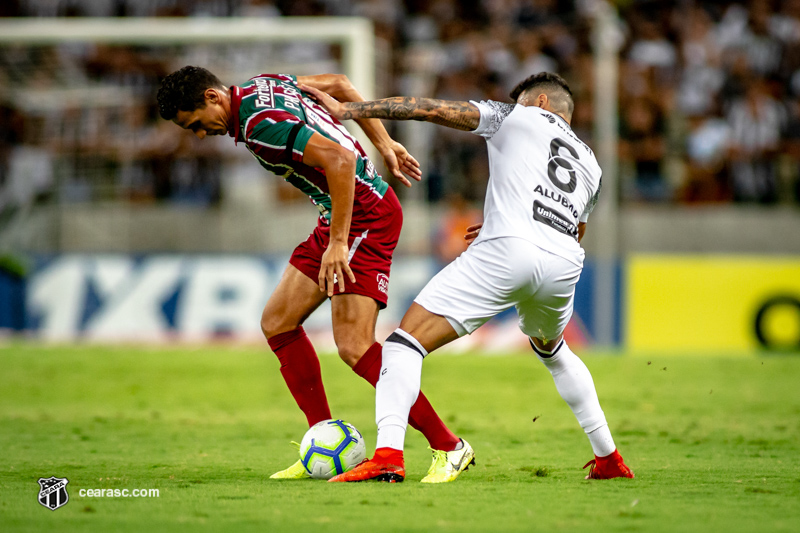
354 319
291 303
397 390
575 385
294 299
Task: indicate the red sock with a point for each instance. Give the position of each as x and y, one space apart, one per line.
300 370
389 455
422 416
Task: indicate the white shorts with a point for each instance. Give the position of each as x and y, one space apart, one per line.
492 276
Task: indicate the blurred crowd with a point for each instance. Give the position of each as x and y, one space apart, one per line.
709 95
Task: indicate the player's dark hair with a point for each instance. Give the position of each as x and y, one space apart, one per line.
184 89
553 85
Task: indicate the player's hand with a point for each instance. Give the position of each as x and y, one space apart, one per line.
400 162
330 103
334 267
472 232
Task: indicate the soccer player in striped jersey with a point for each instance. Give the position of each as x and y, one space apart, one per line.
347 257
543 184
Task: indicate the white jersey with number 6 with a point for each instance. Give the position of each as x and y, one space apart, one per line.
543 180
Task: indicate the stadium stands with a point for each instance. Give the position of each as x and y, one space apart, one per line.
710 93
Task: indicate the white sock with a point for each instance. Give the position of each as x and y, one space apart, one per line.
602 442
397 388
574 384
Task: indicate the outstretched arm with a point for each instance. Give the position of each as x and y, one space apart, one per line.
394 154
457 115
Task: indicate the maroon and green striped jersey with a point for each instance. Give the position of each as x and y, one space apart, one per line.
275 120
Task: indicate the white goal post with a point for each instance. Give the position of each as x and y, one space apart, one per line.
354 33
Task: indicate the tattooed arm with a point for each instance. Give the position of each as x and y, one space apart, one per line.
457 115
394 154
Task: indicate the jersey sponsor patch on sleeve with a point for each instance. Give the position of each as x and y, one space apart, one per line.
592 203
492 116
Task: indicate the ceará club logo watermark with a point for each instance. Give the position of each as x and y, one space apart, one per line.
53 492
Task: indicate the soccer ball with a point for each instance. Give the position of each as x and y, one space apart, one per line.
331 447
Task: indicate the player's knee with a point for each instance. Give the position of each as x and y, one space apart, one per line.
273 324
545 347
350 352
267 327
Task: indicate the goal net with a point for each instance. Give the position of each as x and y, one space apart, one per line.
78 115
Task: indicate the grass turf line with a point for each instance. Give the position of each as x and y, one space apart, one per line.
713 441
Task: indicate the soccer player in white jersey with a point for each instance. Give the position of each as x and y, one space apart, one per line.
543 184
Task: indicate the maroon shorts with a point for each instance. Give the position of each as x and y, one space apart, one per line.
372 240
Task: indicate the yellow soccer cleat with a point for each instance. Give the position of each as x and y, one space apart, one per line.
447 466
296 471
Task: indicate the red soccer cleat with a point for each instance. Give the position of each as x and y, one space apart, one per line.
387 465
608 467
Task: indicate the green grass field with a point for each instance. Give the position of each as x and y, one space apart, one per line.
713 441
